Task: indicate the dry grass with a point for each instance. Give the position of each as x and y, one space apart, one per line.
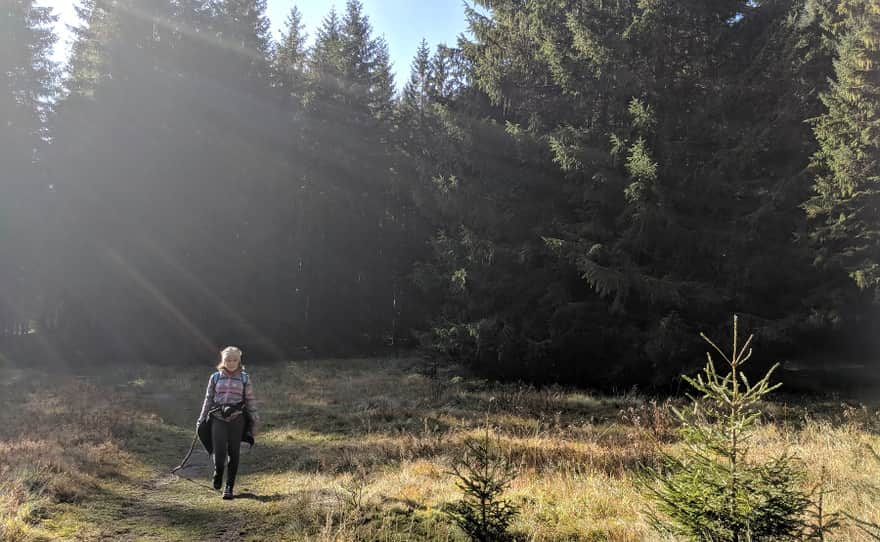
360 450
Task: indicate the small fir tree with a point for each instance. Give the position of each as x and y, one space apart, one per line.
483 473
715 492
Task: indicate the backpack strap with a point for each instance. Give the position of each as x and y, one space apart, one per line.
215 377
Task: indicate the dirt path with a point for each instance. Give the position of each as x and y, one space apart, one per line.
158 506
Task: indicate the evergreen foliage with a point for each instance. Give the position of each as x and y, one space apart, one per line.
846 200
483 474
562 195
27 86
417 90
630 154
717 492
291 55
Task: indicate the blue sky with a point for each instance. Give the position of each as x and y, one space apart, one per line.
403 23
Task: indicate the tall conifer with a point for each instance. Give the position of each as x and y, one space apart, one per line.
27 85
846 203
290 58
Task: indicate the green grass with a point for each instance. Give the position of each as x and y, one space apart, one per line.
360 450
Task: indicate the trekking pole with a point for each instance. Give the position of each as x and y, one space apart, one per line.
188 454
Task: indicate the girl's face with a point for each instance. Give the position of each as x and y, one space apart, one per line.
231 362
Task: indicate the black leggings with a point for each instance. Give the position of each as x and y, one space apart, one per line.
226 437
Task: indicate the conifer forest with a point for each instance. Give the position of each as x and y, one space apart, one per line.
504 293
568 194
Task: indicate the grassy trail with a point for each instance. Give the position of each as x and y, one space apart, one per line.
360 450
142 500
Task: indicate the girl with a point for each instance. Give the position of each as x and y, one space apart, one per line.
229 401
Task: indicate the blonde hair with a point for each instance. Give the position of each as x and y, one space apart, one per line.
230 350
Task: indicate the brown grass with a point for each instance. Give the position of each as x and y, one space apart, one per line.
361 450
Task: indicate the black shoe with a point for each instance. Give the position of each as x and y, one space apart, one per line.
227 493
218 480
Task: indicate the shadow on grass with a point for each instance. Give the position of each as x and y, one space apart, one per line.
262 498
141 515
611 450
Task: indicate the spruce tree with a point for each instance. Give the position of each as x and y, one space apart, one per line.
325 70
845 207
417 90
111 156
382 89
290 59
645 136
357 52
27 86
350 259
27 77
87 57
716 491
169 134
242 29
483 473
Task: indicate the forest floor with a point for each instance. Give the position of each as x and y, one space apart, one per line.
361 450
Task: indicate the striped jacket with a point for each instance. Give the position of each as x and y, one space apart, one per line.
230 389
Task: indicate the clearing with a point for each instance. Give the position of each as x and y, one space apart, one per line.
360 450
